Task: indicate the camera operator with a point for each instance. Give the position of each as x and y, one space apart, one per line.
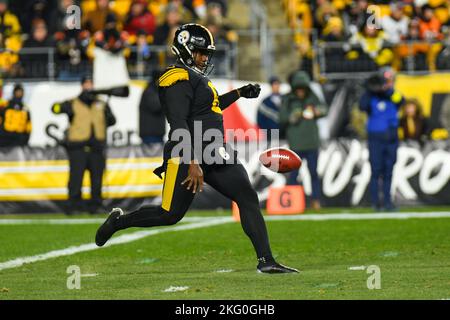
382 102
85 144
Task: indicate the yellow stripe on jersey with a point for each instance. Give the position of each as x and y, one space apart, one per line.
172 76
215 105
169 182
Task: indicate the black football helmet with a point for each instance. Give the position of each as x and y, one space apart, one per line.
190 38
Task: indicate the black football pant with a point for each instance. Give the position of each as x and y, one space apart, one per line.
80 160
231 180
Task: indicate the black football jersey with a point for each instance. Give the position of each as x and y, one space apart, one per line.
191 102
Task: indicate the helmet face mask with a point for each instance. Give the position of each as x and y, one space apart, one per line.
189 41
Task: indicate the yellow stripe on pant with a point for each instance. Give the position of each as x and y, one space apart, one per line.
169 182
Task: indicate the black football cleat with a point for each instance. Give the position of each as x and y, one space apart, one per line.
274 267
108 228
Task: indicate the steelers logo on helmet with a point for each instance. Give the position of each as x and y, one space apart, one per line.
183 37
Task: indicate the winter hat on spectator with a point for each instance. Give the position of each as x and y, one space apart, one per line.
110 18
86 77
299 79
333 23
274 79
17 86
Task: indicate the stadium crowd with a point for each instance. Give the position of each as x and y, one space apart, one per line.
364 35
133 25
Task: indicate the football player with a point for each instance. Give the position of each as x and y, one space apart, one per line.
188 96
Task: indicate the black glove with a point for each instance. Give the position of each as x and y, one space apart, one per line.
250 91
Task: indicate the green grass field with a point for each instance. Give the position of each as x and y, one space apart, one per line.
218 262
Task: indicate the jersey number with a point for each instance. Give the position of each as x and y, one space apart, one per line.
215 104
15 121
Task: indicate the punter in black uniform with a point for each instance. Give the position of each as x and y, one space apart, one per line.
190 100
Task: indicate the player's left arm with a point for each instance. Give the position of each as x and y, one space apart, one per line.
249 91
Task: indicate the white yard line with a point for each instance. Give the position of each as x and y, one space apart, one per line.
125 238
65 221
310 217
359 216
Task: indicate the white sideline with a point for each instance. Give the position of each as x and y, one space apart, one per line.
64 221
118 240
360 216
310 217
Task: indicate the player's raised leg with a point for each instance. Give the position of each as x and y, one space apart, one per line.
176 200
232 181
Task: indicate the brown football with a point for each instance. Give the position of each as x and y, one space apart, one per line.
280 160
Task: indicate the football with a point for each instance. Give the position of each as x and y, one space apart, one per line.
280 160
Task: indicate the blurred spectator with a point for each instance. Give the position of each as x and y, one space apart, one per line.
85 144
410 46
139 18
334 30
396 24
95 20
267 116
72 45
300 16
325 10
152 122
142 45
299 112
430 31
37 11
164 32
59 24
429 25
110 38
413 124
197 7
35 63
224 37
15 120
442 11
141 55
372 44
418 46
39 36
3 102
223 4
355 16
186 13
10 39
382 103
215 10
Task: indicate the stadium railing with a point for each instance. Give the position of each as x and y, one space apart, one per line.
46 64
410 57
